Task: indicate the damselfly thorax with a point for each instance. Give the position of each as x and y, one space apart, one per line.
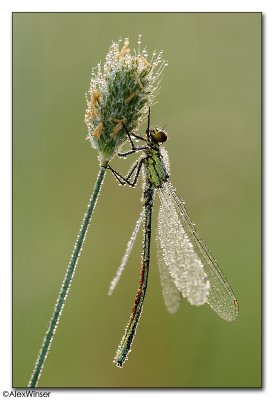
154 164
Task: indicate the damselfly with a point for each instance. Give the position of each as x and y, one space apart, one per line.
187 268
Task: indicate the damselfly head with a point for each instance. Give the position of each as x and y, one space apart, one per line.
158 134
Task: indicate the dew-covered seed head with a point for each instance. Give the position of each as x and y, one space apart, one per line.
121 90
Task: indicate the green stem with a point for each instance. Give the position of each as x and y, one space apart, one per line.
44 350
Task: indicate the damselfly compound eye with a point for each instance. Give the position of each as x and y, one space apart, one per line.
159 135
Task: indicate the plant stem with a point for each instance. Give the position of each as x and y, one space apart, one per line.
44 350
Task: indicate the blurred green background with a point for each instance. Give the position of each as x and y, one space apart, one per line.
211 105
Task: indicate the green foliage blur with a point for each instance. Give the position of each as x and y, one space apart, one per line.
210 103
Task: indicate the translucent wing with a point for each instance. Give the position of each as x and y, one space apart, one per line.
125 258
171 294
184 265
220 297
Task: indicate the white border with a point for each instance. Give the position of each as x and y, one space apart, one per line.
6 8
